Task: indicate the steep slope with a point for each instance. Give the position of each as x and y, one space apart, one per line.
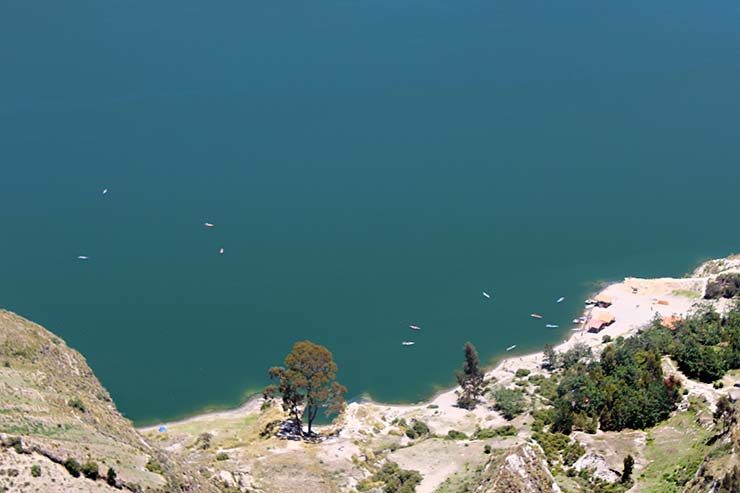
720 470
523 469
53 409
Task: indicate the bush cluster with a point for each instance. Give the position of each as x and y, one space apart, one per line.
509 402
706 344
501 431
417 429
626 388
724 286
559 448
393 478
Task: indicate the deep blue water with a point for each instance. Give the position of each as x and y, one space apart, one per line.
368 165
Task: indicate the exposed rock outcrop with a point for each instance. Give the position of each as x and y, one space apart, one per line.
521 470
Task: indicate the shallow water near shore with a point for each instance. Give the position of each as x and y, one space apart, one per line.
367 166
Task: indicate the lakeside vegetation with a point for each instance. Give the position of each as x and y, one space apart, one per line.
626 387
307 383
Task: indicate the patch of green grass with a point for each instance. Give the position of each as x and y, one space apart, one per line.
687 293
674 451
154 466
463 481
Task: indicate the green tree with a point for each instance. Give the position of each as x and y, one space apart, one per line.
562 418
629 463
470 379
550 360
579 353
110 477
307 383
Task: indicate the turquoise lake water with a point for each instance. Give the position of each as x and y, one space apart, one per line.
367 164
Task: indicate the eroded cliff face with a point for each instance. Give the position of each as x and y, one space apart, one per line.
523 469
53 409
720 470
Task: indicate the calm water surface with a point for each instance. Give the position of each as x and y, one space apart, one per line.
368 165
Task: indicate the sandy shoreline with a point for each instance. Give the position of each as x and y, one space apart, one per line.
635 303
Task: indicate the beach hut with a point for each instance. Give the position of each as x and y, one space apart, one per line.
603 300
600 319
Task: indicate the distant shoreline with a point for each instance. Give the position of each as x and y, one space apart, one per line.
636 301
505 365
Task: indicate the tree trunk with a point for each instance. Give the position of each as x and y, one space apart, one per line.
312 412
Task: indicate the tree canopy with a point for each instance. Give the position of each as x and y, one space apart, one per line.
307 383
470 379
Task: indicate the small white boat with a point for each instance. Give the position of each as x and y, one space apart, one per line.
408 343
82 257
221 250
561 299
511 347
208 225
414 327
535 315
486 294
105 190
552 326
577 329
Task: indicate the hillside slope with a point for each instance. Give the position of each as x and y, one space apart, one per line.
53 409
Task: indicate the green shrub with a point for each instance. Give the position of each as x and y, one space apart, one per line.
547 388
35 471
724 286
394 479
16 443
487 449
509 402
110 477
559 448
501 431
417 429
72 467
456 435
222 456
521 373
90 470
606 339
154 466
76 403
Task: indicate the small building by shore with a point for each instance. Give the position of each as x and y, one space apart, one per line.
603 300
600 319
